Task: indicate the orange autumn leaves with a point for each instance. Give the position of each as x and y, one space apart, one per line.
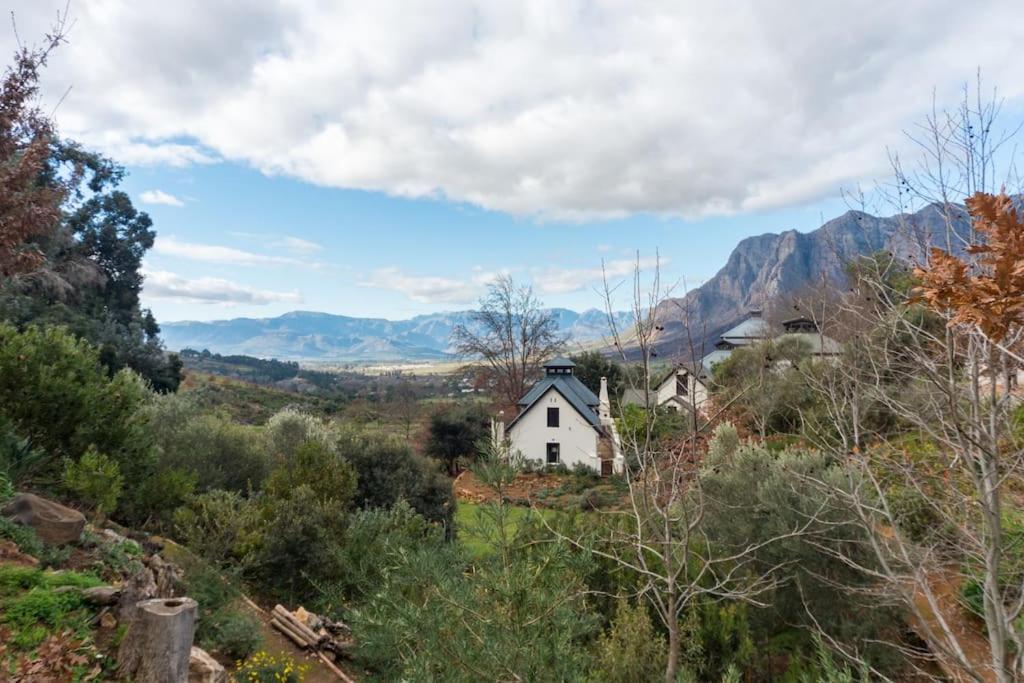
988 293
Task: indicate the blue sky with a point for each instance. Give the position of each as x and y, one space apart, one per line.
356 246
389 158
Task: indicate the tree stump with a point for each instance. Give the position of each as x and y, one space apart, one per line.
157 645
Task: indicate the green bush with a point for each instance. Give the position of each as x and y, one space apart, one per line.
95 480
631 650
456 431
224 626
313 464
222 527
32 606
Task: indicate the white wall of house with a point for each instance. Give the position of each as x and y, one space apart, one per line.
576 438
695 389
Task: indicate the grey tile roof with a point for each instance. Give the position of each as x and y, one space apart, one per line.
749 329
574 391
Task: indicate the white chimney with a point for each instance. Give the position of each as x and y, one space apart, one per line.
604 410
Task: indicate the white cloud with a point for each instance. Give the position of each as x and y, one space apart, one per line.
211 253
160 197
161 284
564 280
572 109
430 288
297 245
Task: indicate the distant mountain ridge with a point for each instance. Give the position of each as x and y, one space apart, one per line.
765 268
307 335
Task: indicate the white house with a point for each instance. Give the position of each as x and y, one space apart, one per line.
562 422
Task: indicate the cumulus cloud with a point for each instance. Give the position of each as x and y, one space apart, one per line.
567 109
160 197
430 288
563 280
211 253
162 284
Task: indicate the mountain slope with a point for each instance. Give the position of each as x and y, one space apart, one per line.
305 335
764 268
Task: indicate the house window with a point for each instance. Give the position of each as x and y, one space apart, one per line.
681 385
552 417
553 453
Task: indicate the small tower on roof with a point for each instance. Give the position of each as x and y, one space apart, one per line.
559 366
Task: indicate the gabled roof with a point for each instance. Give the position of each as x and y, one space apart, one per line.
709 361
819 344
753 328
566 386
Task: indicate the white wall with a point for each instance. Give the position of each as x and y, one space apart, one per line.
576 437
697 390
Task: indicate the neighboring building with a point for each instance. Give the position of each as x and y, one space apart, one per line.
562 422
682 388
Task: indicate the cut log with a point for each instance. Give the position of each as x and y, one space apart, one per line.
290 633
51 521
158 643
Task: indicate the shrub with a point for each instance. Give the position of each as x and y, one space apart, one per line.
314 465
631 650
95 480
388 471
31 605
219 453
55 391
223 626
219 526
290 428
456 432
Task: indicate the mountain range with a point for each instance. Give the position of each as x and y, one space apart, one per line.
306 335
760 270
768 268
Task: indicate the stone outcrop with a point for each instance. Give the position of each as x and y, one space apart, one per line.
202 668
53 523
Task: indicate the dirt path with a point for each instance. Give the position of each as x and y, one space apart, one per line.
969 633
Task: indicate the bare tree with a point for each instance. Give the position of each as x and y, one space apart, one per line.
660 534
512 334
944 381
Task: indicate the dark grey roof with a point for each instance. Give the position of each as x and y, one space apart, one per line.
560 362
753 328
573 390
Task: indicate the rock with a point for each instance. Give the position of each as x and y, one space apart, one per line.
102 596
107 620
202 668
166 575
112 536
53 523
9 554
158 643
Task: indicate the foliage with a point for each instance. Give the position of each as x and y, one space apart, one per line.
95 480
758 497
318 467
591 366
223 626
520 614
291 428
297 545
265 668
633 424
371 537
55 392
33 604
388 471
218 453
222 527
988 292
631 650
456 432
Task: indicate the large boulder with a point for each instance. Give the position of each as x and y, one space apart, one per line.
53 523
202 668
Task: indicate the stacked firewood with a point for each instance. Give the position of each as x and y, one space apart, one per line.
313 633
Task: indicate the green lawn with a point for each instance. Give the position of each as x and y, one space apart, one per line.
475 529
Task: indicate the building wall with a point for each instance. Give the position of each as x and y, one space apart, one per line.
668 389
576 437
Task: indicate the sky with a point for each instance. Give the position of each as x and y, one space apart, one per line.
391 158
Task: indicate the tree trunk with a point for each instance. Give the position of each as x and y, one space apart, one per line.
158 642
672 665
